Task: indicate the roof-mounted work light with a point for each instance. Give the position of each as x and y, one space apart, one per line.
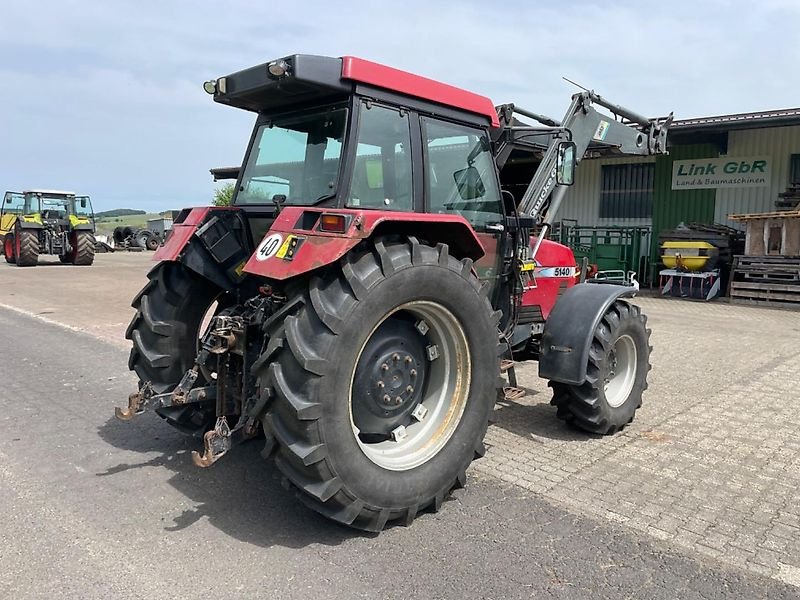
213 86
278 68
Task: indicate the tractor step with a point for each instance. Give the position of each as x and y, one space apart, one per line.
507 367
513 393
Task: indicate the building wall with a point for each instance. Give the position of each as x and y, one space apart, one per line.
779 143
582 201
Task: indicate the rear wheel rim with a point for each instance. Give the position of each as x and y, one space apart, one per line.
622 362
434 414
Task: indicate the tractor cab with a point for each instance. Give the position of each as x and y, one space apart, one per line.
348 133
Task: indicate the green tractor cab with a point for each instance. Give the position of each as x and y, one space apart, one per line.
53 222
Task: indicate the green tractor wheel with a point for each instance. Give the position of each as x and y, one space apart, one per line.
27 247
83 246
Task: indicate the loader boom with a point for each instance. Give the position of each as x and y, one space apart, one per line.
584 125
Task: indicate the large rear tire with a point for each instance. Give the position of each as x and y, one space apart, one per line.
164 333
83 244
356 325
27 247
616 374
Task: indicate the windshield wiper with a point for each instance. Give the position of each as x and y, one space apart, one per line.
276 200
323 198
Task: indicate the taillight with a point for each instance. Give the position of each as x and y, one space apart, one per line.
332 223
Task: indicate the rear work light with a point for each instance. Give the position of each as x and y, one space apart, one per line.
332 223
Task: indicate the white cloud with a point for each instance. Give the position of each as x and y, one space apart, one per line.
107 99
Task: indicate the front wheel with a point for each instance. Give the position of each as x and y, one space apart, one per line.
382 377
616 374
8 248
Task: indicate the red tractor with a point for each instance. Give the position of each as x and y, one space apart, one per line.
373 279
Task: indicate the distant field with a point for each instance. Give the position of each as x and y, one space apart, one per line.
106 225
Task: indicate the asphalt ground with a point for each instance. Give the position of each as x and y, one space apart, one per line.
96 508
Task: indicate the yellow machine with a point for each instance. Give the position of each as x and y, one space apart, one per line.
691 255
37 222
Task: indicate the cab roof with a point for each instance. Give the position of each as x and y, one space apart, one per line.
311 77
49 192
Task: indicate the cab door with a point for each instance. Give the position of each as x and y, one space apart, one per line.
12 206
461 178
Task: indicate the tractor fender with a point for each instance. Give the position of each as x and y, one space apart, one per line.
28 224
294 245
570 327
211 241
183 228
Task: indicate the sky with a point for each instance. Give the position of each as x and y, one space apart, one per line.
106 98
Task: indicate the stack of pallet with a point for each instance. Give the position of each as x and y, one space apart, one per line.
769 272
790 198
766 280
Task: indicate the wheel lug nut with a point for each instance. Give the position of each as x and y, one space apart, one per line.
387 398
384 367
408 360
413 372
410 389
381 385
398 400
395 357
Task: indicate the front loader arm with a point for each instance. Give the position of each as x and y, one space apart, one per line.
584 125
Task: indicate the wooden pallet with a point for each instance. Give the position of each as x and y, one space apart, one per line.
779 214
782 295
775 269
769 260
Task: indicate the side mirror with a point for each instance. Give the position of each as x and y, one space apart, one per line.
565 163
469 183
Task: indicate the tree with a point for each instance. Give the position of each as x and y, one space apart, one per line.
224 194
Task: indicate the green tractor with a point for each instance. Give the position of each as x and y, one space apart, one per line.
38 222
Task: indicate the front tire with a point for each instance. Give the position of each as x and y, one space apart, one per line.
319 352
8 248
616 374
164 333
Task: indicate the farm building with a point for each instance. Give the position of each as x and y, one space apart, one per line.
718 166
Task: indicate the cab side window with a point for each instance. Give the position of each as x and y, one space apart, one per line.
13 203
382 174
461 173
